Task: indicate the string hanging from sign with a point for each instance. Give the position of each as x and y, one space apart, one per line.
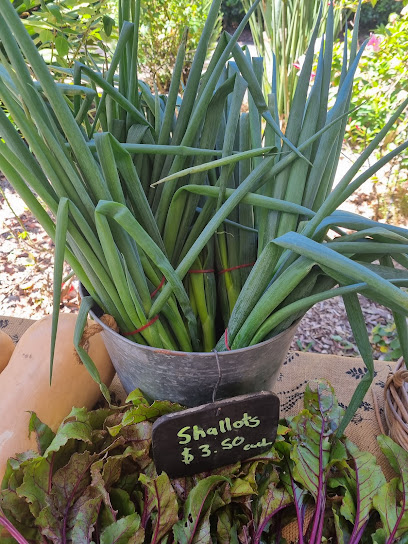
214 395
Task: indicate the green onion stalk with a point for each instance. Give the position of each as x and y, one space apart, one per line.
190 217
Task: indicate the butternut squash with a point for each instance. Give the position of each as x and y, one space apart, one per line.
6 349
25 383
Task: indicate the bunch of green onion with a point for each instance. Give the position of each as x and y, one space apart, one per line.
192 220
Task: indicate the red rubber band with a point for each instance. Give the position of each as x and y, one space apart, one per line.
158 287
142 328
235 267
226 340
208 271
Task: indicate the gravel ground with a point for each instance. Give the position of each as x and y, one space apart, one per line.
26 262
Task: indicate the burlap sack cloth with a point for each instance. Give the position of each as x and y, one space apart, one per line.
344 373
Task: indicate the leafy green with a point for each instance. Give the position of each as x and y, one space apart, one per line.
195 521
74 427
393 512
122 531
94 485
43 433
270 503
368 479
160 499
312 443
99 484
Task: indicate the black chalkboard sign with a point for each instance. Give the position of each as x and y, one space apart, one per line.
209 436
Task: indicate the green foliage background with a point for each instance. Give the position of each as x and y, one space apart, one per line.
377 14
380 85
373 14
162 25
69 30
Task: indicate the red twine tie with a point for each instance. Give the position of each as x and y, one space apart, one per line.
131 333
208 271
226 340
204 271
235 268
158 287
142 328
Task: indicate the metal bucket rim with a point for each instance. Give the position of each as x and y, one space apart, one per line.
185 353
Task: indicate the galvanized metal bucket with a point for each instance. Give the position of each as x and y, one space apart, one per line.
192 379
